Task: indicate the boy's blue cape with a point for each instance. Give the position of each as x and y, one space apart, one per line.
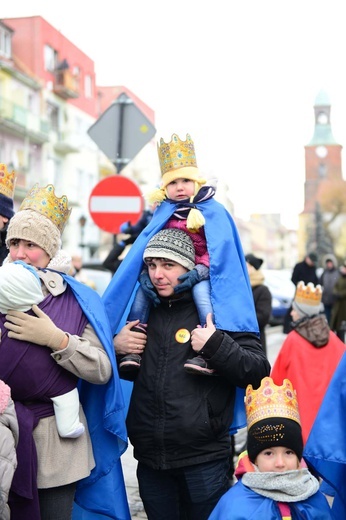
231 292
325 448
104 490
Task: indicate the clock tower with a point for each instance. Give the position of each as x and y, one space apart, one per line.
322 155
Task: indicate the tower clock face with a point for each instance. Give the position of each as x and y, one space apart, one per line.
321 152
322 118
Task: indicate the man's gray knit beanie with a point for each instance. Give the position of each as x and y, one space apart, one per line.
173 244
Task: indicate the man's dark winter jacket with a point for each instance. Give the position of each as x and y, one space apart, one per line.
178 419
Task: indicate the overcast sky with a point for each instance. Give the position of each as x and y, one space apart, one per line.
240 76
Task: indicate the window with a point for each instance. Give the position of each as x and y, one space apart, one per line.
5 42
322 170
88 86
50 58
53 116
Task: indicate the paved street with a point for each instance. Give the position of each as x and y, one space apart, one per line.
275 338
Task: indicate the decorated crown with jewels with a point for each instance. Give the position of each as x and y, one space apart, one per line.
6 181
176 154
308 294
44 201
270 400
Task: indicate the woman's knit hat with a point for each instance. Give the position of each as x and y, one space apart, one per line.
41 219
307 299
272 418
7 181
20 287
173 244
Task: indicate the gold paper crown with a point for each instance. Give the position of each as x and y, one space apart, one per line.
44 201
176 154
308 294
6 181
270 400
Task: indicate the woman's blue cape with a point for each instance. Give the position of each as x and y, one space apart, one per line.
103 492
325 448
231 292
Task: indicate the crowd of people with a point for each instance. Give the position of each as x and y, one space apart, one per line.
184 321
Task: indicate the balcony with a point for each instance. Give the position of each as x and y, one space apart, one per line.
21 122
66 142
65 85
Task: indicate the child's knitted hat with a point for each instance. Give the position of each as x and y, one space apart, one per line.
173 244
272 418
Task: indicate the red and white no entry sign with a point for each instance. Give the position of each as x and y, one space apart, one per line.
115 200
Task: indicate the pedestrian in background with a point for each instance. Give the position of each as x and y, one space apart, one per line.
7 182
339 306
261 295
178 423
327 280
273 479
309 354
124 240
304 271
71 323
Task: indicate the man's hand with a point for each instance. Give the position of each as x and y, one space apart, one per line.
37 329
148 288
128 341
200 335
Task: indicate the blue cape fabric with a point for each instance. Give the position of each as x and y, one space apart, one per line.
104 490
240 502
231 292
325 448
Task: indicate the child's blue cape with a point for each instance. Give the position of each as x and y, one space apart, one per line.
231 292
103 492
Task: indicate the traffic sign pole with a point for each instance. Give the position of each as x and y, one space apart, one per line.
122 131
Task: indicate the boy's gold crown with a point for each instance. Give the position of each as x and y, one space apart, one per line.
44 201
270 400
176 154
6 181
308 294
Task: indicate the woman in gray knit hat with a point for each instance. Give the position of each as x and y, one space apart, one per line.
79 347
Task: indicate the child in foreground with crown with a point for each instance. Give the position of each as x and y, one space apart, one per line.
71 325
273 479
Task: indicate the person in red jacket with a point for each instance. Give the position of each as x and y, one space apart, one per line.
309 354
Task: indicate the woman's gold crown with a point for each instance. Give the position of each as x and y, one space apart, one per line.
6 181
44 201
270 400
